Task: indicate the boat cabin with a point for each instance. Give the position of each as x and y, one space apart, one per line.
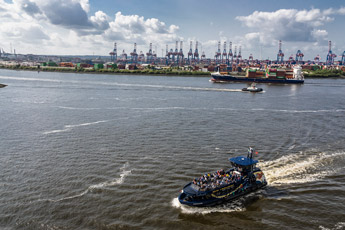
243 164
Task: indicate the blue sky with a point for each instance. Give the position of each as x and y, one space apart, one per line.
90 26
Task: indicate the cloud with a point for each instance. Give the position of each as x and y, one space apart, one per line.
100 20
66 13
66 26
30 8
136 29
70 14
289 25
18 31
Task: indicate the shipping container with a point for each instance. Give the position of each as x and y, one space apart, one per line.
121 66
281 73
50 63
83 65
210 68
251 74
98 66
316 67
66 64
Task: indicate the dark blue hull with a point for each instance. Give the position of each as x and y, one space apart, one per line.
208 201
229 78
191 195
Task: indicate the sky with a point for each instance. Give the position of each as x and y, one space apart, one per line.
90 27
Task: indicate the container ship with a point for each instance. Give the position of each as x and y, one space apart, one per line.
269 75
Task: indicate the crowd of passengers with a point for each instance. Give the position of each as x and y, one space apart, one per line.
216 179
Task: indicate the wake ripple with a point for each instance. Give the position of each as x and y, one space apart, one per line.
291 169
234 206
124 172
338 226
302 111
300 168
122 84
70 127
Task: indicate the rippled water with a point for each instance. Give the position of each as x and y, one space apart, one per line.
84 151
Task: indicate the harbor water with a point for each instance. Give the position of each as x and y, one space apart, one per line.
93 151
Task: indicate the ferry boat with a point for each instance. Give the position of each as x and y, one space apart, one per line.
271 75
223 186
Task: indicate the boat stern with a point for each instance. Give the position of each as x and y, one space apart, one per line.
260 178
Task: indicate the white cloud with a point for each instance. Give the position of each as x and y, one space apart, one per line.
289 25
136 29
17 31
320 34
100 19
66 27
341 10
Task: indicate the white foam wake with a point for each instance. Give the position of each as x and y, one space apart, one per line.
337 226
234 206
28 79
301 111
124 172
70 127
300 168
75 108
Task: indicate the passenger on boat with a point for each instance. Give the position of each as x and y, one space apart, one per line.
217 179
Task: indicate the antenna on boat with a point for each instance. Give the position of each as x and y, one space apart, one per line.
250 153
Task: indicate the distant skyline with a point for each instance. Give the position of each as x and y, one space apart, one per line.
86 27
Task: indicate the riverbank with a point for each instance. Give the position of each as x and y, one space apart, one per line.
324 73
170 71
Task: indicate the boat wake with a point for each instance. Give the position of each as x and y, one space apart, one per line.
302 111
75 108
122 84
301 168
292 169
234 206
124 172
337 226
70 127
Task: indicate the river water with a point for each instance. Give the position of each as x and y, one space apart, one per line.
92 151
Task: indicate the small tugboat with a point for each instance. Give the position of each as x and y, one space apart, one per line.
222 186
252 88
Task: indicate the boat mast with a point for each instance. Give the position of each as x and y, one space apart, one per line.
250 156
250 153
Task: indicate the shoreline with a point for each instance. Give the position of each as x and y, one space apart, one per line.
147 72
